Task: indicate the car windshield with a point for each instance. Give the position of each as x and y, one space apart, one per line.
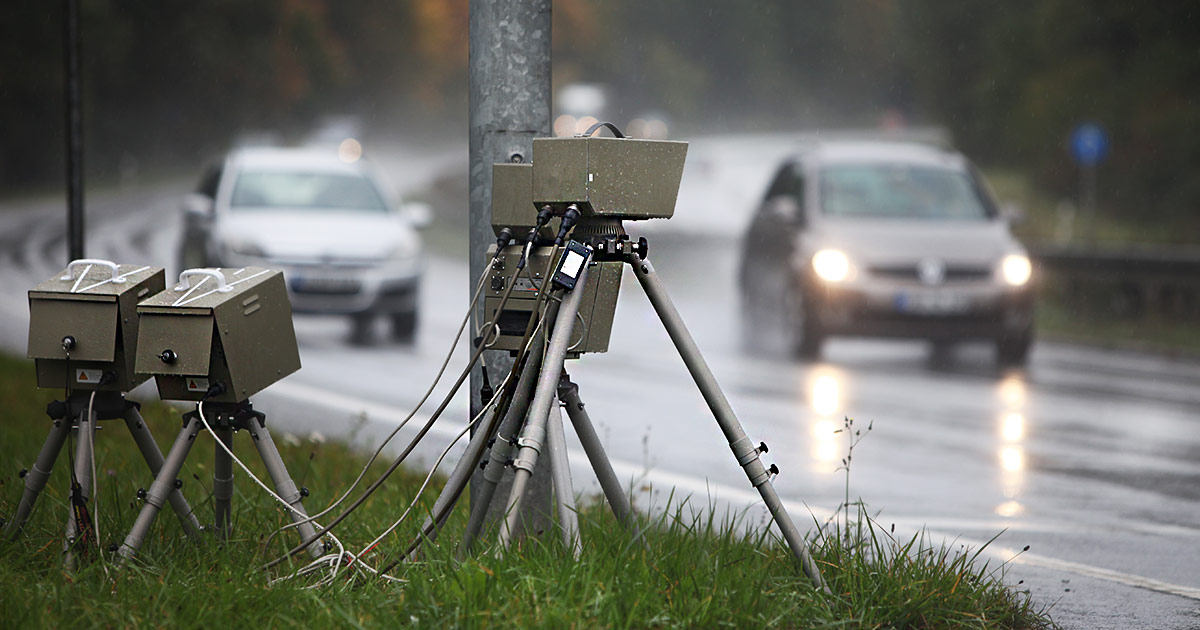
277 189
901 191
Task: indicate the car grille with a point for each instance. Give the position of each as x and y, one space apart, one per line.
954 273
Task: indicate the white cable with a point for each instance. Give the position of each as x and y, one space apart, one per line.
95 491
281 500
336 562
396 430
438 463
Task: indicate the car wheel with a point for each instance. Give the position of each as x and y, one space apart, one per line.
800 328
1014 350
361 328
404 327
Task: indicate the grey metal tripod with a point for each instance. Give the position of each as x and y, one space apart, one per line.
74 414
226 418
538 422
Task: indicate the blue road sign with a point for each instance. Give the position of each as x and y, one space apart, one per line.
1089 144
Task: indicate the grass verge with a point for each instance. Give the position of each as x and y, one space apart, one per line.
685 572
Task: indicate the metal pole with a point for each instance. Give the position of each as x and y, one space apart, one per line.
35 479
223 483
493 471
564 489
743 449
568 393
534 434
74 93
83 469
509 107
284 486
154 459
160 490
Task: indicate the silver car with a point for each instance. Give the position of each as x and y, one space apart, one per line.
889 239
345 244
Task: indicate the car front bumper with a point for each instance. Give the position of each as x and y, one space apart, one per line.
314 289
919 311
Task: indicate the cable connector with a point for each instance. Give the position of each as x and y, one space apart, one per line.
216 389
543 216
569 219
506 236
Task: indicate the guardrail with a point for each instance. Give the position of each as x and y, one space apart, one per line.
1136 282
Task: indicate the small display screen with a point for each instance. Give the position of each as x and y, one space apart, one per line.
572 263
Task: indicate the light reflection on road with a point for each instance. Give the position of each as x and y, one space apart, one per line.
826 398
1011 392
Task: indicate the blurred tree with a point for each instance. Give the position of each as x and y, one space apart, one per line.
175 80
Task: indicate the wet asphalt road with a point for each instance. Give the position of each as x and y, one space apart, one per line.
1090 457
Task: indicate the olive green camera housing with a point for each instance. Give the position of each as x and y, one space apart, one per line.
594 327
618 178
232 326
94 304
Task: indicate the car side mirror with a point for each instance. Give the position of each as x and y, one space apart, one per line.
785 209
418 213
1012 213
197 207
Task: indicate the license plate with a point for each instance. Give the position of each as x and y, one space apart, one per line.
316 283
932 303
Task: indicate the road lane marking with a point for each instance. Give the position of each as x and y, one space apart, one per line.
697 486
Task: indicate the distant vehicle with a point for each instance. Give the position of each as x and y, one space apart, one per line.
888 239
345 243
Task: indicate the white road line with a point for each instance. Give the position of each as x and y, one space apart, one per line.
702 487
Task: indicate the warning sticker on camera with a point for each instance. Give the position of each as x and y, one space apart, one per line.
197 384
88 377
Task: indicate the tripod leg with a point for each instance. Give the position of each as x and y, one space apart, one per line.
493 470
36 478
154 459
284 486
564 490
568 393
164 484
84 441
223 481
743 449
535 426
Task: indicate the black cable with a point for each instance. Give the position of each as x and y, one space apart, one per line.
438 519
408 449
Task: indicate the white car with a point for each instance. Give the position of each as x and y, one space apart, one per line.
884 239
344 241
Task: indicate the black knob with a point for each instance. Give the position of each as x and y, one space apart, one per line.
303 491
68 343
113 548
23 473
178 484
168 356
141 494
762 447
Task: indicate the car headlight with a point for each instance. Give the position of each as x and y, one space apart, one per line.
831 265
1016 269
